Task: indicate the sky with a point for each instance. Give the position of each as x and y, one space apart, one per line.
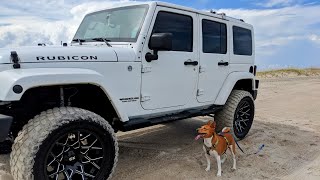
287 32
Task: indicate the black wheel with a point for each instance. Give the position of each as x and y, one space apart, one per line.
243 117
238 113
65 143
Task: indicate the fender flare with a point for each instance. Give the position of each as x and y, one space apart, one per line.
32 78
229 84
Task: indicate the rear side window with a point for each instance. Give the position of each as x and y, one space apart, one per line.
214 37
242 41
181 27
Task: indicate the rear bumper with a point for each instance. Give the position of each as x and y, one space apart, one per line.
5 125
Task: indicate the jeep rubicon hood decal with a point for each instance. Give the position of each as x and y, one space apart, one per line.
36 54
63 58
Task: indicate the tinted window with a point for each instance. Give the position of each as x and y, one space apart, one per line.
181 28
214 37
242 41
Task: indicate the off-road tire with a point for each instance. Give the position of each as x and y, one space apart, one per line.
32 140
227 116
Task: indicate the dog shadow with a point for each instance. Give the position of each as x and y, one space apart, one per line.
170 152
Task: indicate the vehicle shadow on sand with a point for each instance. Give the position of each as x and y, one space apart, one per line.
170 152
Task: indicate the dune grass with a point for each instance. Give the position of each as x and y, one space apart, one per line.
291 72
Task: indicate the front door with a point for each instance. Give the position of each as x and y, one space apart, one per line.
168 82
214 58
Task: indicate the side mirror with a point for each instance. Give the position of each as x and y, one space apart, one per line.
159 42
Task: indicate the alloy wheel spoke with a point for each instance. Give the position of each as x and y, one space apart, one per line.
92 148
89 148
58 171
69 176
66 174
246 106
244 123
91 161
237 126
85 137
83 174
71 160
95 165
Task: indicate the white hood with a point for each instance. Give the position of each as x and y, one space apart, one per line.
38 54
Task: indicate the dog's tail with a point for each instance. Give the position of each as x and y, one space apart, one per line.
226 130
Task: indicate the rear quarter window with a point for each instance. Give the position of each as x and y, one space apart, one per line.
242 41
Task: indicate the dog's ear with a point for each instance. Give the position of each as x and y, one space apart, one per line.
213 124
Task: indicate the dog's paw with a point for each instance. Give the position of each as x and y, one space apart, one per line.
219 175
234 168
208 169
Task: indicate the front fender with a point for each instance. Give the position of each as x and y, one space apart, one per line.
32 78
228 85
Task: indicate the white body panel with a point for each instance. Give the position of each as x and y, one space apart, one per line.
170 85
37 54
229 84
168 82
212 76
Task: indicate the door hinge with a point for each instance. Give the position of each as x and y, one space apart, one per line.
145 98
202 69
145 69
200 92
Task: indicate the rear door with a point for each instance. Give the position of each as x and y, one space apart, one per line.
214 58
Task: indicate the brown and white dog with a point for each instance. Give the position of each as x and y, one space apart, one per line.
217 144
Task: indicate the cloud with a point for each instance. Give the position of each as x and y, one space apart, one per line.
315 38
278 31
275 28
272 3
56 20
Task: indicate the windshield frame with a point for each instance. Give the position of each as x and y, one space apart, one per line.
132 40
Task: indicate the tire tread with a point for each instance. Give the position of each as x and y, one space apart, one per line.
30 138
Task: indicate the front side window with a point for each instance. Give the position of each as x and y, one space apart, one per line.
214 37
181 27
242 41
119 24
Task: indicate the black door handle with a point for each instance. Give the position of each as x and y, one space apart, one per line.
192 63
223 63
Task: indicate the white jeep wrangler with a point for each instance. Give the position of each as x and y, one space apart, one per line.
127 67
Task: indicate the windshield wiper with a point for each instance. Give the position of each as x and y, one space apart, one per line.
80 41
103 40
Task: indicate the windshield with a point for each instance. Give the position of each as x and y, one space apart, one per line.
119 24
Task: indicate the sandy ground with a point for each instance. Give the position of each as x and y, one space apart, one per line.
287 122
